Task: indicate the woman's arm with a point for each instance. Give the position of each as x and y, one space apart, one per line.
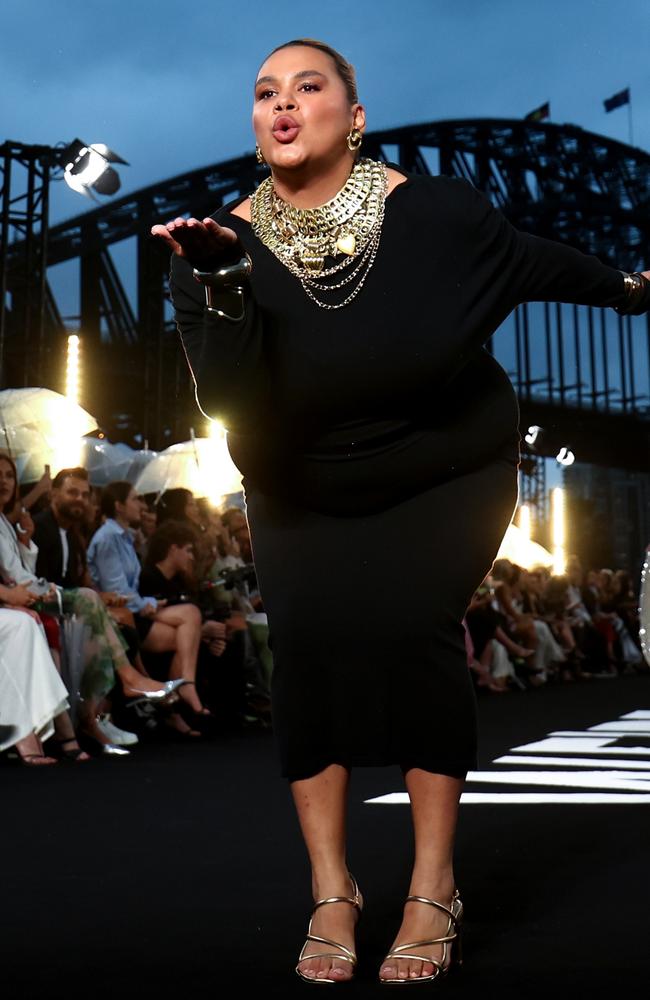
225 356
109 573
12 566
519 267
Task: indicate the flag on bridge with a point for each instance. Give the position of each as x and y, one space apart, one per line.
618 100
543 111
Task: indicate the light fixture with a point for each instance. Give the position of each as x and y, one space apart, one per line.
524 521
72 369
533 434
86 168
565 456
559 531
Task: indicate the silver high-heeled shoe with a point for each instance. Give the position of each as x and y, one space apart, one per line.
157 696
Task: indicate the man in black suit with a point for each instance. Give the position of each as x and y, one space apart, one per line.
61 549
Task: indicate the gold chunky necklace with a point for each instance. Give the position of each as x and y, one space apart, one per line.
348 225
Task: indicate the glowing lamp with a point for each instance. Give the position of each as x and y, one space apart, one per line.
86 168
558 517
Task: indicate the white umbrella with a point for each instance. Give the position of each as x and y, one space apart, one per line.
42 427
103 461
521 550
45 409
202 465
139 461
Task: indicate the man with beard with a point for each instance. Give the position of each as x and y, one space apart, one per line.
61 548
59 535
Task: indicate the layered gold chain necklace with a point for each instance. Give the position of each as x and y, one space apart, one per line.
347 227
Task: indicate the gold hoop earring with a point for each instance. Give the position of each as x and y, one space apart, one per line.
259 155
354 139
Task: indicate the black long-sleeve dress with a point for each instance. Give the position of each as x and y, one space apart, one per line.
379 448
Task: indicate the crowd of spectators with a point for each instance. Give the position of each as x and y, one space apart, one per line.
124 618
526 628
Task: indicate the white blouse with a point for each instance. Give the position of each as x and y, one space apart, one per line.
17 561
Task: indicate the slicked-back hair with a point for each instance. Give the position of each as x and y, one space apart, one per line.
60 478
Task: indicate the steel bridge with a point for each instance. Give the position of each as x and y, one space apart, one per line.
583 374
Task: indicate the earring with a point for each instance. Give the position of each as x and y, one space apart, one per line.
354 139
259 155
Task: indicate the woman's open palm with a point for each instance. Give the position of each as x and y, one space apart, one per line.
206 245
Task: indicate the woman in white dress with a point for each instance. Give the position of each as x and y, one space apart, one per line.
104 651
32 694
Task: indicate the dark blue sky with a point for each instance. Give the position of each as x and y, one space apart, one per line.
168 85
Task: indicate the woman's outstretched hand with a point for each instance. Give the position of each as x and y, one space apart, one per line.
205 245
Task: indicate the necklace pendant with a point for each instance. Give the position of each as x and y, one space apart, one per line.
347 244
312 263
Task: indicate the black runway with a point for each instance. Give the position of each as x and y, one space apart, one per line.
180 871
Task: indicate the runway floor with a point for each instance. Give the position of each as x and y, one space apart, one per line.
180 871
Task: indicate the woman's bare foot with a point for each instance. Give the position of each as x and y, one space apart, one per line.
190 697
72 751
421 922
335 921
30 751
175 721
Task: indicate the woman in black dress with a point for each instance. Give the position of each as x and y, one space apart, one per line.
339 335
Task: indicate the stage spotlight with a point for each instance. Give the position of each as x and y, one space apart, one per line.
565 456
86 168
524 521
533 436
72 369
558 516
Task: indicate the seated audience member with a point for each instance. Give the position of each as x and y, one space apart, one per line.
61 537
478 642
33 698
539 598
627 654
58 530
492 646
582 614
249 602
103 648
114 566
626 604
548 654
181 506
168 573
148 524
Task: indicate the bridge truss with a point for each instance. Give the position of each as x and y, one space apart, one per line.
582 373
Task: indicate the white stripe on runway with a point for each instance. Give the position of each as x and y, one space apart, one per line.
527 798
639 765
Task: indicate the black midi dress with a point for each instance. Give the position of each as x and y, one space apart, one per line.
379 449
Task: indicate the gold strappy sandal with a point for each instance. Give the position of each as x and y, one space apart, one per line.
347 956
452 938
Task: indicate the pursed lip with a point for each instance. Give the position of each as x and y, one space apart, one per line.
284 122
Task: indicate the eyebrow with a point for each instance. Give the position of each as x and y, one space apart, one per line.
296 76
